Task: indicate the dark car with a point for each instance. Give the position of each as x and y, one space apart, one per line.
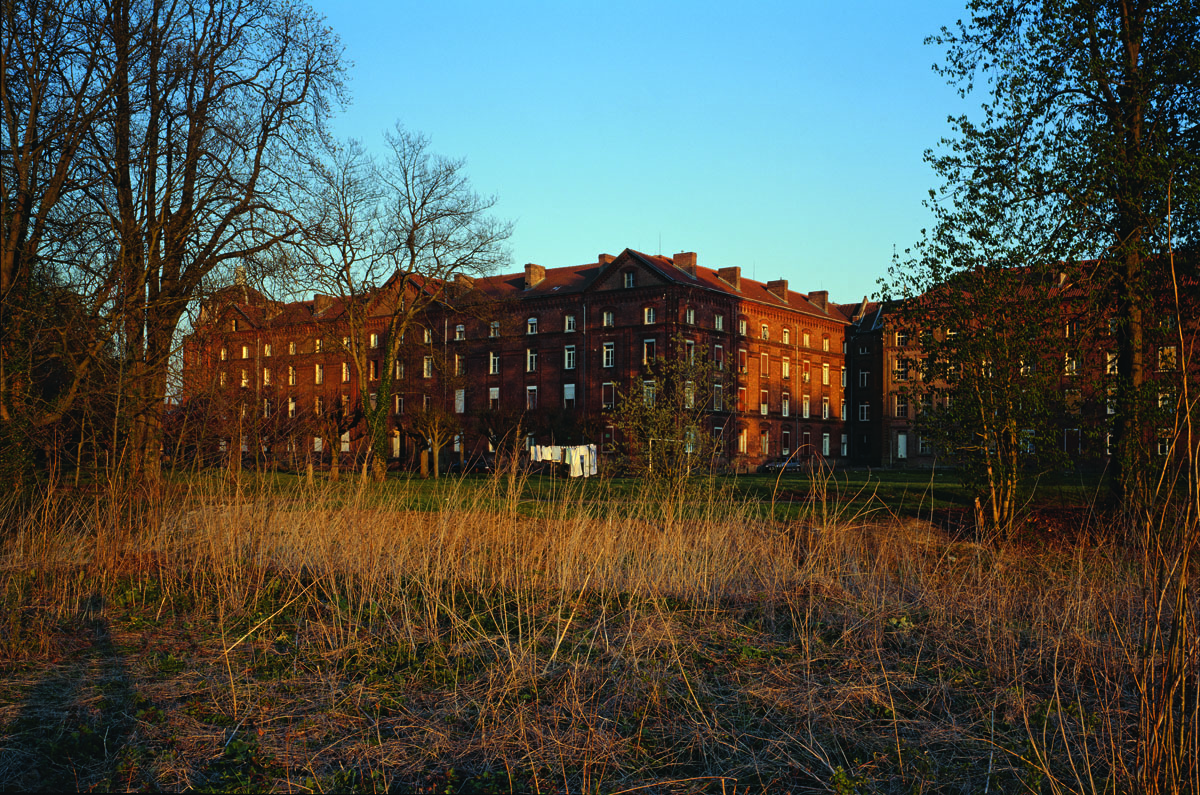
785 464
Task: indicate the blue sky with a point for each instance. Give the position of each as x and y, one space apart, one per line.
784 137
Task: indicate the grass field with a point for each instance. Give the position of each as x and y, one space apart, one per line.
497 634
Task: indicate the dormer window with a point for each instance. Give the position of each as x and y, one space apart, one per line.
531 326
629 279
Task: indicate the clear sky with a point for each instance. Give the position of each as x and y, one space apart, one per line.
784 137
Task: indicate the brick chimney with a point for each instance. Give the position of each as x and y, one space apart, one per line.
321 302
604 259
778 288
686 262
731 275
819 297
534 275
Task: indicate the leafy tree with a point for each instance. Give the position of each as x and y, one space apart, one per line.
1092 112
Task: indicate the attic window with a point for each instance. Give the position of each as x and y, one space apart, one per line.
233 325
629 279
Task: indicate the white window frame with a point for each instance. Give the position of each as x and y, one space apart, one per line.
569 357
608 354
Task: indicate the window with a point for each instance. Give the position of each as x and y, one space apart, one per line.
606 318
825 374
373 340
842 412
786 447
319 404
900 371
460 366
649 348
1167 358
764 403
531 326
460 332
319 374
345 372
569 357
373 370
493 363
608 395
609 356
530 397
345 342
719 357
689 316
374 398
787 336
494 329
843 378
427 367
766 331
648 315
825 444
864 412
569 323
427 335
786 369
494 398
741 441
245 351
804 407
825 344
902 406
317 345
291 407
398 369
806 339
863 377
901 339
924 446
689 395
690 351
805 374
648 392
1071 364
266 376
460 401
719 322
824 408
718 397
742 366
221 379
1110 363
1164 441
629 279
530 360
292 348
741 403
764 366
845 444
291 375
764 442
785 405
742 327
267 349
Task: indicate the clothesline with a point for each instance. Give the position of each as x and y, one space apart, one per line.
580 458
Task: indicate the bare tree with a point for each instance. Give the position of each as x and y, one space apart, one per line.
393 242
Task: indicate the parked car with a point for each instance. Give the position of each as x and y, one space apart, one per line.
785 464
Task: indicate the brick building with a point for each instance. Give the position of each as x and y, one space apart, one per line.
550 348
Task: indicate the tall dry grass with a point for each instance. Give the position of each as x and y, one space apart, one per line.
603 640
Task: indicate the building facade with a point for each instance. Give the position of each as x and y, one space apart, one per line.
547 351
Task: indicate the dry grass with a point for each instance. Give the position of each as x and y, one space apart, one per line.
233 638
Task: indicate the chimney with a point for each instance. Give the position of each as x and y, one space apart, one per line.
321 303
778 288
464 281
686 262
534 275
731 275
819 297
604 259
